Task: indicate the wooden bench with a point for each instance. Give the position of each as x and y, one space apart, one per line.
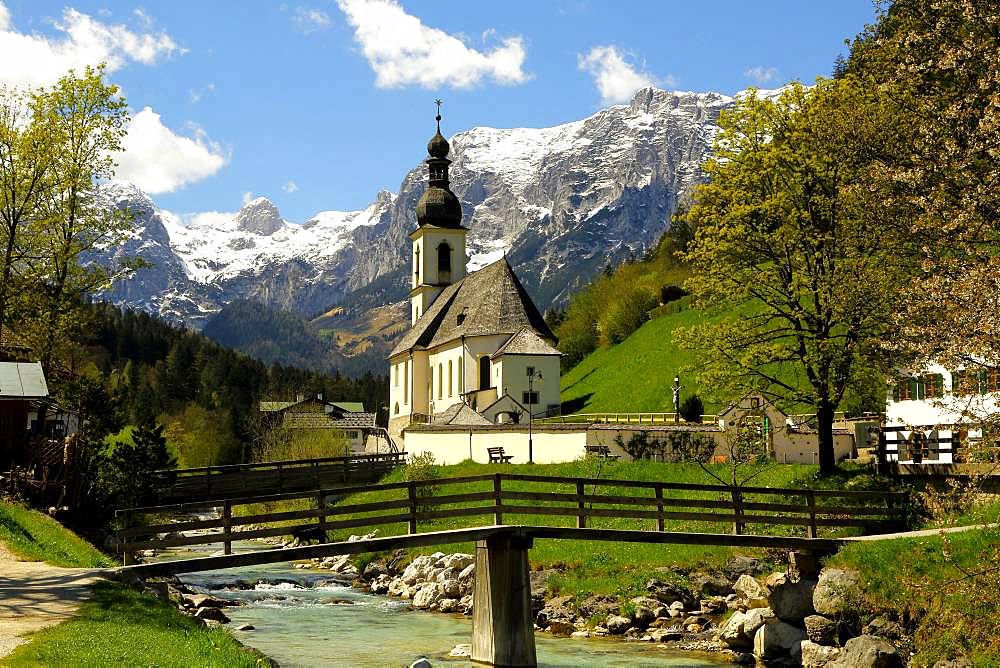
601 451
498 457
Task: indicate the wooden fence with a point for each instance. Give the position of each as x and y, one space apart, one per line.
298 475
487 495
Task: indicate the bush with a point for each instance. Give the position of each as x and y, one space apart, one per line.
692 409
126 467
625 315
422 468
202 437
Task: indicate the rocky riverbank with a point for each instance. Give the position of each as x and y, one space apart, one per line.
745 614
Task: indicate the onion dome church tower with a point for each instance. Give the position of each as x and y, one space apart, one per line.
439 240
477 349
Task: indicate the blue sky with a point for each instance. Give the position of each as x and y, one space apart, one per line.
318 105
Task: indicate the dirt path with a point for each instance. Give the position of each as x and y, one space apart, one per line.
34 595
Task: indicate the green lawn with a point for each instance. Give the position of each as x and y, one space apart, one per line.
637 375
120 627
34 536
950 585
589 566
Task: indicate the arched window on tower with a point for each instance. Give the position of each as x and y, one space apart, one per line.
416 267
444 262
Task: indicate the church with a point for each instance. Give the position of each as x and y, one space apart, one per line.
478 351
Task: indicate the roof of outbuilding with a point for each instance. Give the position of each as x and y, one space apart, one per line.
489 301
22 380
460 414
349 406
526 342
327 421
269 406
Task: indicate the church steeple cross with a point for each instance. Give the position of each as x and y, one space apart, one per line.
438 117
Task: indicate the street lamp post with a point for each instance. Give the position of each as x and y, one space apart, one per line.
531 396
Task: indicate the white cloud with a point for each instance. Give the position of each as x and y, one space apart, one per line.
160 161
761 74
308 20
403 51
290 187
246 198
35 59
616 79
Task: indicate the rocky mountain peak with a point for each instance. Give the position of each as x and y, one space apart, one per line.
125 195
562 202
259 216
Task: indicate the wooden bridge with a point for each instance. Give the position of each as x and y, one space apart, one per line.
790 519
297 475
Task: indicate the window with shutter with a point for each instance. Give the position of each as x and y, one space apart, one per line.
933 385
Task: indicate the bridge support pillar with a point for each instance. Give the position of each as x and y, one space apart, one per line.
805 562
502 626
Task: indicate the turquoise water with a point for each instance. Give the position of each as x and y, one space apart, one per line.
307 618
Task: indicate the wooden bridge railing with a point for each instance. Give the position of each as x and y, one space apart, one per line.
216 482
502 496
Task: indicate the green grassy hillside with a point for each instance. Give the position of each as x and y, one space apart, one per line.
638 373
34 536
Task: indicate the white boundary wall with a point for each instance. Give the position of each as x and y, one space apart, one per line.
451 445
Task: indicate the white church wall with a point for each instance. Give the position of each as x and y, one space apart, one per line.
475 348
418 383
451 445
514 379
446 365
399 381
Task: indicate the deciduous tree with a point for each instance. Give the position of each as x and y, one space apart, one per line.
786 235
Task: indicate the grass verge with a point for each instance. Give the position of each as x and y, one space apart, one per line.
120 626
34 536
946 587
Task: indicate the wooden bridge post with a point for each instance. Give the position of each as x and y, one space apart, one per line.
502 625
739 527
659 507
497 498
811 501
321 505
411 488
227 527
127 557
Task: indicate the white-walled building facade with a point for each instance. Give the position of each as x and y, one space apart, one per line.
474 338
932 417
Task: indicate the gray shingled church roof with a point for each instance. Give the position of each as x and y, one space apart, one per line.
526 342
489 301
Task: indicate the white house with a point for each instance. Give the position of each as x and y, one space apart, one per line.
932 416
474 338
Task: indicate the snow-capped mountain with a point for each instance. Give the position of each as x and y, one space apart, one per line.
561 202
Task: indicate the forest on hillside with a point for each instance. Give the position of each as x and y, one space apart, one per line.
203 393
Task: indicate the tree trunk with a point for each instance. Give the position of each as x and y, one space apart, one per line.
824 420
